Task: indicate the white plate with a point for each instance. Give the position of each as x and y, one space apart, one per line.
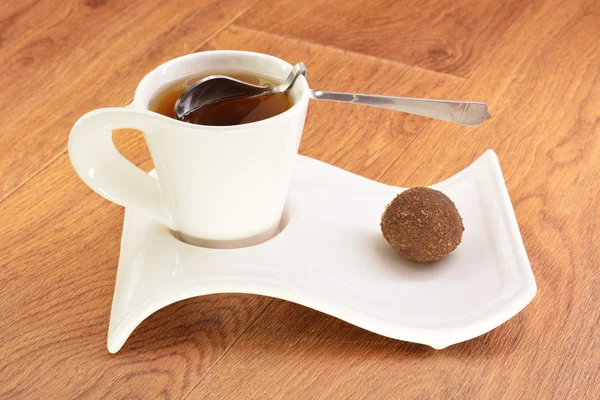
331 256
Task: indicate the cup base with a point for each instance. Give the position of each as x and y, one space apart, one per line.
229 244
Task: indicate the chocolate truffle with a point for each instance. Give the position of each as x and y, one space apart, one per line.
422 224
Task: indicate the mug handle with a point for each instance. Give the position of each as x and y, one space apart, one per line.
100 165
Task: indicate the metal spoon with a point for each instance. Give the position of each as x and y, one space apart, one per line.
218 88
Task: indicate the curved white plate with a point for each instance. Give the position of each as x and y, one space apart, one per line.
331 256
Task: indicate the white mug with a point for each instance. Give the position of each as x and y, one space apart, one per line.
217 186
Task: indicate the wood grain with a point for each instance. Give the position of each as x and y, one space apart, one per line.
296 352
537 68
546 130
57 281
446 36
61 61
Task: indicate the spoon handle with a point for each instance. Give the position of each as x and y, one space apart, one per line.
470 113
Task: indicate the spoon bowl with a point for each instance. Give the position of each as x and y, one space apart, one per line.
216 89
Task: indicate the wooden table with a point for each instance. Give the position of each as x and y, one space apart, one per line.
536 63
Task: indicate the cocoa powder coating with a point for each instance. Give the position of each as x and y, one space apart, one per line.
422 224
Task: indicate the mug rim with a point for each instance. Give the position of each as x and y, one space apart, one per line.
138 104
